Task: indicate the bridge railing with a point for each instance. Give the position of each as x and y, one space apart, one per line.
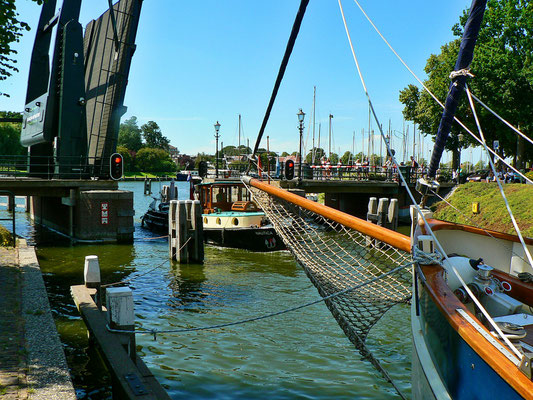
47 167
370 173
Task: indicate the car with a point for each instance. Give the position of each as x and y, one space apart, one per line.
478 176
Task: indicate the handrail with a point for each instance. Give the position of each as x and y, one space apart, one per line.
11 195
395 239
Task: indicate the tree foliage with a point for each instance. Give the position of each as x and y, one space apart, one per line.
10 135
154 160
129 135
11 30
153 136
503 70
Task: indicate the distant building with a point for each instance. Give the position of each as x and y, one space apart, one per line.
174 152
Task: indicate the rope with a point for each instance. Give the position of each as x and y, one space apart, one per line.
283 66
149 271
266 316
428 227
435 97
461 72
152 238
493 167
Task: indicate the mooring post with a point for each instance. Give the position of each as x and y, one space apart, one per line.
392 218
198 232
91 275
121 316
383 207
182 230
172 234
11 203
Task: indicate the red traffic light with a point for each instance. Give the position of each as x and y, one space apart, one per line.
116 166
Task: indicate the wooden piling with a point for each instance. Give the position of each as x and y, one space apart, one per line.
131 378
147 186
185 229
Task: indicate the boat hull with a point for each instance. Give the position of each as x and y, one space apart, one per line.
262 239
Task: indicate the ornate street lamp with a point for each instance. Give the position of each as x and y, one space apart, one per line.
217 128
301 116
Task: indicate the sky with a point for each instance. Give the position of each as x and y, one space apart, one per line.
199 62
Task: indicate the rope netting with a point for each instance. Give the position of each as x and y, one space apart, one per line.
335 258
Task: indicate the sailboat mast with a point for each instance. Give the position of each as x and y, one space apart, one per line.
457 85
314 101
239 131
329 149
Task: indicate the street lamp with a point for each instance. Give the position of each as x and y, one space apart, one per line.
217 128
301 116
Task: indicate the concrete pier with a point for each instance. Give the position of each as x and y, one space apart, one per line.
85 210
32 362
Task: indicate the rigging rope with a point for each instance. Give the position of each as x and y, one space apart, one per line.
493 167
281 72
433 95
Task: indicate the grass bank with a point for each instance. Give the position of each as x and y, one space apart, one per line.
493 213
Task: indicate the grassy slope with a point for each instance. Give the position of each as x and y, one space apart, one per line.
493 213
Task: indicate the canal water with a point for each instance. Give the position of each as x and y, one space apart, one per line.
299 355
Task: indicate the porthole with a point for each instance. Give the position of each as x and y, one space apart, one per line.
205 220
219 221
235 221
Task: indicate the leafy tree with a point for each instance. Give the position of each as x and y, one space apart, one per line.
284 154
129 135
154 137
346 158
203 157
10 135
129 165
319 153
154 160
333 158
11 30
503 69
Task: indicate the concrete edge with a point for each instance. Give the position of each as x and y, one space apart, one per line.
48 375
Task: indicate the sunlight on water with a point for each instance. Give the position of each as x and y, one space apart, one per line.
303 354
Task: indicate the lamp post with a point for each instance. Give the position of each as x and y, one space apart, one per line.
301 116
217 128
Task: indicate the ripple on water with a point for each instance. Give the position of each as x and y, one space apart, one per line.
302 355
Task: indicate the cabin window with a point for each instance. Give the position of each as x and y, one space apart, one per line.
205 220
219 221
235 221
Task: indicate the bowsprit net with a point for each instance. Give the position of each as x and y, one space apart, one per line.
336 257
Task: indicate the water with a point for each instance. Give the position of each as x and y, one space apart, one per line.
302 355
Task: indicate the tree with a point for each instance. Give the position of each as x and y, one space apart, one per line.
129 164
503 69
346 158
319 153
154 160
11 30
10 135
153 136
129 135
284 154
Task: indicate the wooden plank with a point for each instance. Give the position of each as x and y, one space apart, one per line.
116 357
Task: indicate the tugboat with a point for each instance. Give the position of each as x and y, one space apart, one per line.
230 217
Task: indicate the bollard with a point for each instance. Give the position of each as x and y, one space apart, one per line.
185 230
372 205
91 275
198 229
383 207
120 314
392 218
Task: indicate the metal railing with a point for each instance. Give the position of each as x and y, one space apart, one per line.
11 200
49 167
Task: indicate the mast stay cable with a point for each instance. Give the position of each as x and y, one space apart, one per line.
281 72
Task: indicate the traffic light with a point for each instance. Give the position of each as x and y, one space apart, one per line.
289 169
116 166
202 169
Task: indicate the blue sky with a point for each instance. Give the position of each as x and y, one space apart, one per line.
201 61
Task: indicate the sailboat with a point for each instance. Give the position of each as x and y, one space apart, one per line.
472 289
